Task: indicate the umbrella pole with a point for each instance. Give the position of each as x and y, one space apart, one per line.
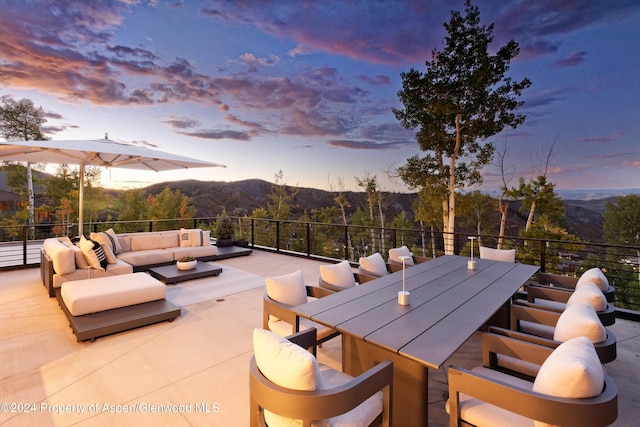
81 201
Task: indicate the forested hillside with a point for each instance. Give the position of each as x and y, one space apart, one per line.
583 217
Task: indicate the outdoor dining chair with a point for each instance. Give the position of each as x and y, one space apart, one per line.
340 276
557 299
373 265
283 293
570 387
287 386
551 328
395 260
593 275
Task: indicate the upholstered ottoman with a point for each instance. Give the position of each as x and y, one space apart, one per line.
106 305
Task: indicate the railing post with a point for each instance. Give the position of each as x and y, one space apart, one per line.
346 242
253 230
308 239
277 236
543 255
24 245
150 226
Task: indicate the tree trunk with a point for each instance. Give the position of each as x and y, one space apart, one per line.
382 245
451 217
504 209
31 202
532 212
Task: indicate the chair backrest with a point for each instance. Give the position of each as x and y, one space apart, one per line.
402 251
287 383
339 275
373 264
506 255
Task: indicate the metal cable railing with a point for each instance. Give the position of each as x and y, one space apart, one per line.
20 246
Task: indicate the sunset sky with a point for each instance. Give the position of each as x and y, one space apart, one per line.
307 87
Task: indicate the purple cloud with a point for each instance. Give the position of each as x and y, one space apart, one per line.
573 60
367 145
615 136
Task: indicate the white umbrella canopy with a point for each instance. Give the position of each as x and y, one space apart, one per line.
96 152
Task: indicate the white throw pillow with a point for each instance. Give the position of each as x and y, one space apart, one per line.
94 253
579 319
339 274
590 293
572 370
109 239
594 275
287 289
374 264
194 237
396 253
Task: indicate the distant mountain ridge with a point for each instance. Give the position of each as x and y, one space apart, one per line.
583 216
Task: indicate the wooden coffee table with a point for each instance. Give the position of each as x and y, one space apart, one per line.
169 274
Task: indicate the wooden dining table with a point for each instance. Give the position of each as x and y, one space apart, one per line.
448 303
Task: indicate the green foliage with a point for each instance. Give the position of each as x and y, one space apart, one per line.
21 120
464 97
622 221
280 199
169 204
224 226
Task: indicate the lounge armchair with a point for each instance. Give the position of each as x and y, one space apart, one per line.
283 293
340 276
395 262
557 299
506 255
373 265
570 388
287 383
550 328
593 275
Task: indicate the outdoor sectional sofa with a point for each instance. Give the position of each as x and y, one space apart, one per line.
99 281
63 261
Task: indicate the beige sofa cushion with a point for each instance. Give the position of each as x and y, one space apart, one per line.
153 256
154 241
109 239
94 295
62 256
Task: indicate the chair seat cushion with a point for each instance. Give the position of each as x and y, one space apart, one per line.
362 415
480 413
373 264
105 293
340 274
403 251
579 319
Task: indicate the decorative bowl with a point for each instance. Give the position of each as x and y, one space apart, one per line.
186 265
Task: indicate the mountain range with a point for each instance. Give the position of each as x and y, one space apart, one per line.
583 217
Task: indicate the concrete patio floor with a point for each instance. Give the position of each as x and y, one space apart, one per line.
198 364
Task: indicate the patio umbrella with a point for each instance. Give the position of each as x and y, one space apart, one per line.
96 152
